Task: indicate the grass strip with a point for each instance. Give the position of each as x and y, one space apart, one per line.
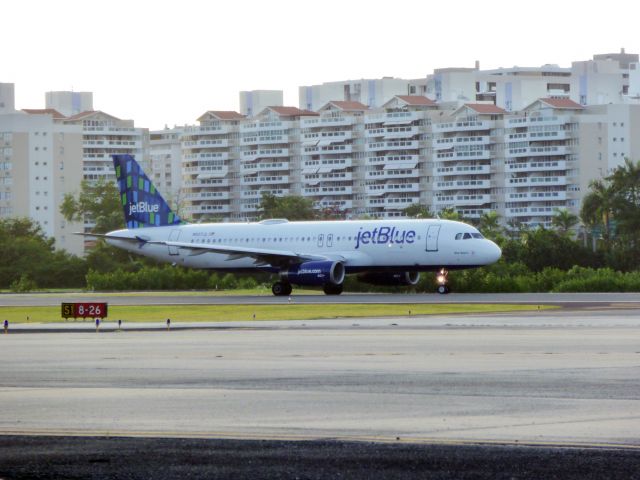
224 313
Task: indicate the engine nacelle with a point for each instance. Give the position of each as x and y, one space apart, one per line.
315 273
390 278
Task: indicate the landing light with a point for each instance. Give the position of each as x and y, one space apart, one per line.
440 279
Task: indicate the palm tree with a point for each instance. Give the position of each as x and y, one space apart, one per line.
564 221
490 225
597 206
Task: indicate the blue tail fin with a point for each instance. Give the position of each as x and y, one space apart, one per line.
142 203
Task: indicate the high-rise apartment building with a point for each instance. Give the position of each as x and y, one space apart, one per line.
7 98
371 92
69 103
40 161
210 166
165 164
332 147
270 156
255 101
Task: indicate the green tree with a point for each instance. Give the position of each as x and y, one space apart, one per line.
564 221
28 254
450 213
597 207
625 182
417 211
489 225
291 207
99 202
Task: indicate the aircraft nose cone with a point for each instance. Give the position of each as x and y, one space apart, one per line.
494 251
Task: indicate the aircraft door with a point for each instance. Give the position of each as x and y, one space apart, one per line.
174 236
320 240
432 238
330 240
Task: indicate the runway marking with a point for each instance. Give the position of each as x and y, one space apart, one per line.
213 435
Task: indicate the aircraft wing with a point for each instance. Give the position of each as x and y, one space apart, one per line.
261 255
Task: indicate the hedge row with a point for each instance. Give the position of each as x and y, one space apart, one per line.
166 278
499 278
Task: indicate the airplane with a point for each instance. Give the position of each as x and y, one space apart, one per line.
308 253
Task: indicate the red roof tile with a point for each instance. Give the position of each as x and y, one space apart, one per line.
486 108
223 115
564 103
416 100
88 113
346 105
292 111
43 111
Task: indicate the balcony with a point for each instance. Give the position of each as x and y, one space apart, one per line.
265 180
392 202
204 129
250 168
383 188
538 151
393 145
326 122
461 200
314 191
391 174
205 156
463 155
531 211
204 209
191 144
536 166
207 171
199 196
536 181
535 196
463 170
250 155
257 194
395 161
539 120
464 126
449 142
462 185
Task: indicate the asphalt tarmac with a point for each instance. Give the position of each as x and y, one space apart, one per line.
196 298
546 394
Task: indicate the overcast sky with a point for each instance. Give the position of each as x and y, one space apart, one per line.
167 62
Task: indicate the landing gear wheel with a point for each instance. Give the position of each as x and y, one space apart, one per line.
281 289
443 289
330 289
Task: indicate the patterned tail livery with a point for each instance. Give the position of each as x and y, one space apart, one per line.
142 203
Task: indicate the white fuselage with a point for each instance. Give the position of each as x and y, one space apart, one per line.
362 245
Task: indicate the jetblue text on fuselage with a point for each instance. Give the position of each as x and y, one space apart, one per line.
143 207
384 235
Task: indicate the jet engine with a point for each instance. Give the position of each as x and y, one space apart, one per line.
315 273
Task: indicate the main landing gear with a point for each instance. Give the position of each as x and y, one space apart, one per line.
331 289
281 289
442 278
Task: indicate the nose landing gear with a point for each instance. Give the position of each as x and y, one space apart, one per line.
442 278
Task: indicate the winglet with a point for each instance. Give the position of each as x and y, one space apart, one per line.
142 204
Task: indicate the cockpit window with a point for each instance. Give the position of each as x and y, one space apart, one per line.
477 235
458 236
467 236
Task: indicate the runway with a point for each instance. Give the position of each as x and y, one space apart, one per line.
570 378
199 298
547 379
